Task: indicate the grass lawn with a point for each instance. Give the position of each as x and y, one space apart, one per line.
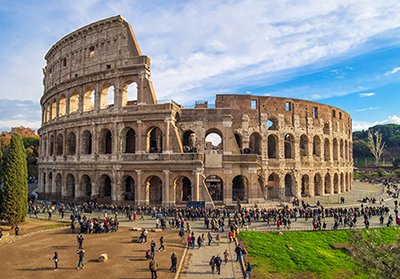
312 256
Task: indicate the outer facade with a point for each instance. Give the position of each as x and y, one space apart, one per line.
105 137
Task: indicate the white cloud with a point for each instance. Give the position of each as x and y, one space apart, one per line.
368 109
363 125
366 94
395 70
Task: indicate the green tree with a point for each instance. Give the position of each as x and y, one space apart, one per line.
376 258
15 188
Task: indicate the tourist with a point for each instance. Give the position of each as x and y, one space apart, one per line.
81 254
16 231
210 238
218 238
230 236
148 254
153 265
248 269
162 241
226 256
189 241
1 233
218 262
238 251
174 261
152 247
212 264
182 234
55 260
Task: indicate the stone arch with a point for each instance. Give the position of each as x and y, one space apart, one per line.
341 149
47 113
154 140
327 153
88 99
70 187
71 144
346 151
50 182
317 146
129 93
238 139
129 188
272 124
51 145
273 186
128 136
86 142
289 183
183 189
43 150
105 142
45 187
215 185
240 185
189 141
304 146
317 185
305 186
289 146
214 139
105 187
107 96
86 187
335 150
336 189
58 185
272 146
74 102
342 186
347 182
155 190
54 109
328 185
62 106
255 143
60 145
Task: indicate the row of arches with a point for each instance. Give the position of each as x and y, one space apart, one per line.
86 100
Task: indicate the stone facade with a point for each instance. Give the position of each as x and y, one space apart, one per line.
105 137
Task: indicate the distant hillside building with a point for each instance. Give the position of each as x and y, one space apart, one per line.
104 136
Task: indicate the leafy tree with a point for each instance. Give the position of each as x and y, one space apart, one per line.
381 172
376 258
396 162
15 190
376 147
397 172
361 149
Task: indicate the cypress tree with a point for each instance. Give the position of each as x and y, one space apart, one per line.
15 189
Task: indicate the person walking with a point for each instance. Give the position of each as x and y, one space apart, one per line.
209 238
80 242
189 241
218 262
174 261
238 251
218 238
248 270
55 260
153 248
16 231
212 264
81 254
226 256
1 233
162 241
153 266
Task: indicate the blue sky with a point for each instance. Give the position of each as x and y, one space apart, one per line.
342 53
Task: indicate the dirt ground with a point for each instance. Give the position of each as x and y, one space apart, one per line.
29 257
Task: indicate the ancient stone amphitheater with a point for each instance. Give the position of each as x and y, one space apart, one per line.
104 136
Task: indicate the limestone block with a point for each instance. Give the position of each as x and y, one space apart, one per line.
103 258
155 230
136 229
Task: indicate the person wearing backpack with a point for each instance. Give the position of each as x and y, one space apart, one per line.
248 269
218 262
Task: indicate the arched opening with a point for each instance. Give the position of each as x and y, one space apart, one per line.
336 183
288 185
317 185
238 139
289 146
43 148
328 185
58 182
272 124
107 96
51 145
60 144
105 186
183 189
189 142
240 185
215 186
86 143
317 146
255 143
62 107
273 186
326 129
70 187
154 140
155 190
342 189
88 99
305 186
50 182
45 187
48 113
86 187
347 182
130 141
335 149
71 144
213 140
74 102
341 149
327 154
303 146
54 109
105 142
129 94
272 150
129 189
346 151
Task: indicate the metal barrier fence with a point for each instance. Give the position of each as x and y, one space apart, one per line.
283 229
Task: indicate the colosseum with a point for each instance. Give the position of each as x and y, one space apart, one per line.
104 136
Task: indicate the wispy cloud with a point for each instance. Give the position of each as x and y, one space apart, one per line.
363 125
395 70
368 109
366 94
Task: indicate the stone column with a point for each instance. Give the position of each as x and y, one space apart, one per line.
196 194
141 148
139 188
166 147
254 191
166 188
227 187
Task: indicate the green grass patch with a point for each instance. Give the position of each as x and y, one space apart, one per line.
55 226
358 175
312 254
